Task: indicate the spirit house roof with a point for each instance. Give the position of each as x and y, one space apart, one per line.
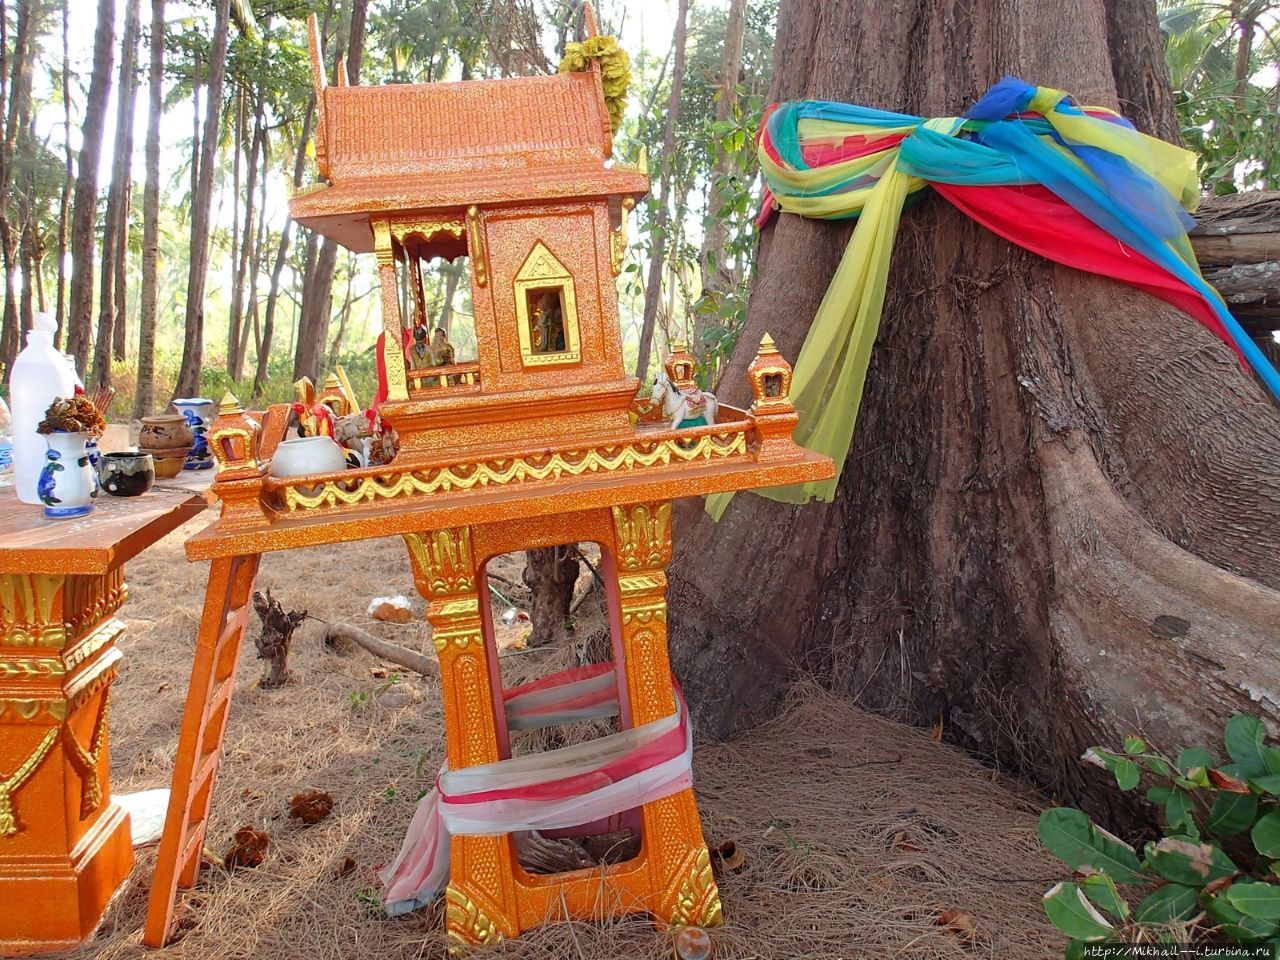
434 146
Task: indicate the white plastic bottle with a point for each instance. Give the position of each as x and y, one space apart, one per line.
40 375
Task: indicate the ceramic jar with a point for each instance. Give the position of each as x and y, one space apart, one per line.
165 431
199 413
67 485
303 456
126 474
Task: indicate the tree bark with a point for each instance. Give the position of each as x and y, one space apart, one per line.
657 257
550 573
84 213
114 229
235 357
144 397
1059 518
1139 69
193 337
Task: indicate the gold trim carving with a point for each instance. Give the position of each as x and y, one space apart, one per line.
444 560
698 900
644 535
27 602
475 243
382 247
645 612
510 470
466 924
618 238
468 606
402 230
87 760
12 784
39 667
639 583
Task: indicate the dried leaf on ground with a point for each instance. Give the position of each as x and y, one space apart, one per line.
249 849
311 806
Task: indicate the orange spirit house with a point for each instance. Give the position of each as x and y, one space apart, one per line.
540 441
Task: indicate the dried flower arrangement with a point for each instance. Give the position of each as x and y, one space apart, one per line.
73 415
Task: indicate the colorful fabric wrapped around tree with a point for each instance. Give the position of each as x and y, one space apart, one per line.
1077 185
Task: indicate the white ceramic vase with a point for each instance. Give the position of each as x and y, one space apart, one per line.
67 483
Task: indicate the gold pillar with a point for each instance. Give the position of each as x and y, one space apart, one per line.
392 325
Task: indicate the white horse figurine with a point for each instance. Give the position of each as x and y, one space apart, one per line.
691 408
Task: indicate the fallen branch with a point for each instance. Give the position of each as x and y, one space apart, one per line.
401 656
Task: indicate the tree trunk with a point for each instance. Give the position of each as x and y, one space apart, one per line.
657 257
452 273
144 397
255 264
84 213
114 228
313 330
68 183
717 276
550 574
27 27
193 338
1058 520
1136 48
235 357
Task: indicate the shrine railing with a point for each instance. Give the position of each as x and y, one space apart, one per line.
719 442
452 375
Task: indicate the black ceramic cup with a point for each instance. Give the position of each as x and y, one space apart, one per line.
126 474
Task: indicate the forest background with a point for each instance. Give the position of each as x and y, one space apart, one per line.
150 146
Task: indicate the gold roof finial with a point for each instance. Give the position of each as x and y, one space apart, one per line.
229 405
767 345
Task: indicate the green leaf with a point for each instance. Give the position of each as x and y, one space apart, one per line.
1193 757
1160 794
1134 746
1244 736
1179 812
1271 757
1268 784
1266 835
1183 860
1254 898
1232 813
1235 924
1069 911
1168 904
1069 835
1158 766
1101 889
1122 768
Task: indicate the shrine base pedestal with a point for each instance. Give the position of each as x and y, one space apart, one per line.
57 903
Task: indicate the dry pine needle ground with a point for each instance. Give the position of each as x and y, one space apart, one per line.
861 838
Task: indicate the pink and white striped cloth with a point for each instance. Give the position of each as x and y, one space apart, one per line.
582 784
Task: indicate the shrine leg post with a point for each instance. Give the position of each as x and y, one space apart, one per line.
683 889
213 679
477 911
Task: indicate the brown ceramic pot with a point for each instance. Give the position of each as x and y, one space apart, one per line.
165 431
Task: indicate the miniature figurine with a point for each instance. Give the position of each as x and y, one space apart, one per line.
686 408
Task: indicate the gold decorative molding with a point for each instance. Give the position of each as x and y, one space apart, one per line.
644 535
639 583
402 230
511 470
87 760
37 667
382 246
644 612
467 924
698 900
475 243
468 606
618 238
442 560
11 785
27 604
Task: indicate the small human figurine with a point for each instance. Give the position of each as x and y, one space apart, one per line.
550 323
420 352
441 350
312 418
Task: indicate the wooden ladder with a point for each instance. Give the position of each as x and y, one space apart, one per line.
204 721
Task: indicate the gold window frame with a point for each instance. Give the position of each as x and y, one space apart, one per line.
540 271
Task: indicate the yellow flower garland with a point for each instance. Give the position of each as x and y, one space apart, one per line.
615 71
